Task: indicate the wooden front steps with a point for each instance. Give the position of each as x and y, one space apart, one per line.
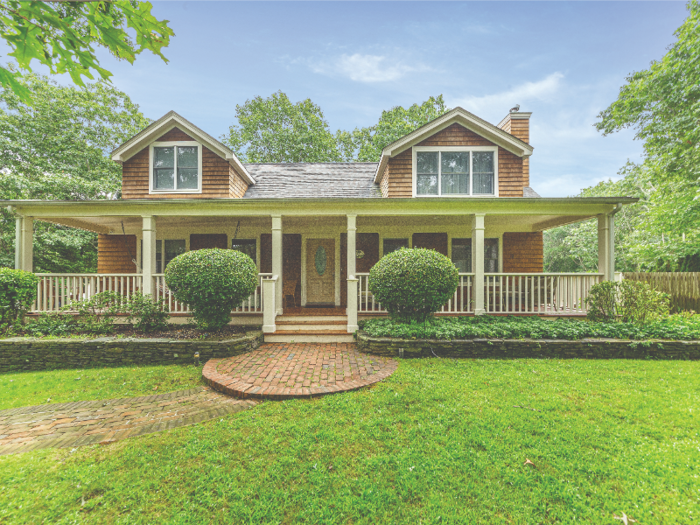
310 329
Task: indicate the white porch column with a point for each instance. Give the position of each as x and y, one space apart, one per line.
604 246
269 309
277 260
24 244
18 242
478 262
611 247
351 309
148 254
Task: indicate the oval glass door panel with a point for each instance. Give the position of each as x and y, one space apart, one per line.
320 260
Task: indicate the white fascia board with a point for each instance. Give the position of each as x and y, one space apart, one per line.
379 174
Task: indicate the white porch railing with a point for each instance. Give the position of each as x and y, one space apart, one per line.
461 302
538 293
56 290
253 304
511 293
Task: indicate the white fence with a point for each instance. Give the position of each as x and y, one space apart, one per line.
56 290
462 302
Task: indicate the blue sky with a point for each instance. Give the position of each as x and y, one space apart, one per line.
565 62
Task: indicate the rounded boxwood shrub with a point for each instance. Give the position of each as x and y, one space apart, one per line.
413 283
212 282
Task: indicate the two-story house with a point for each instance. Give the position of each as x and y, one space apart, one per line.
458 185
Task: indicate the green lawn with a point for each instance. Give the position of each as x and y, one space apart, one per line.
66 386
438 442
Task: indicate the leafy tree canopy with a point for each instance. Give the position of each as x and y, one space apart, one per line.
659 233
274 129
662 104
61 36
394 124
58 149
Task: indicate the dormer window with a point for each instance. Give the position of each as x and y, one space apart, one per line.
455 171
176 167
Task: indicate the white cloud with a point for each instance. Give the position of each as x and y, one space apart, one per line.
365 68
500 102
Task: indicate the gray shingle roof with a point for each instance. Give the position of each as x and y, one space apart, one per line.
351 180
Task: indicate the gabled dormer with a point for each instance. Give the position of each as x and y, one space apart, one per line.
173 158
458 155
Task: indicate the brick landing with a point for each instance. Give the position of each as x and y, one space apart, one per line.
288 370
88 422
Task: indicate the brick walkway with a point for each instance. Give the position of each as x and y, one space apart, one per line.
89 422
282 371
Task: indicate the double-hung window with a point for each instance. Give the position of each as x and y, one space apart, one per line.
455 171
176 167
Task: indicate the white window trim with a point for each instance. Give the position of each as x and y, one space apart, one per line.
151 183
414 168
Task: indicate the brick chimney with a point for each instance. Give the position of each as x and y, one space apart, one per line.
518 125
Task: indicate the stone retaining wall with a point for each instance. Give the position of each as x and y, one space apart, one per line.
514 348
18 354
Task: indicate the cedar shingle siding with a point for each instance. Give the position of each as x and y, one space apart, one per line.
115 253
522 252
219 180
398 176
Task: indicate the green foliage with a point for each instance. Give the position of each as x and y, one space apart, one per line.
96 315
17 293
59 149
627 301
393 125
676 327
662 104
659 233
212 282
147 314
274 129
62 36
58 324
413 283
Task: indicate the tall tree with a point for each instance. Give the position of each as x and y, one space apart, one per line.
393 124
58 148
274 129
659 233
61 36
662 105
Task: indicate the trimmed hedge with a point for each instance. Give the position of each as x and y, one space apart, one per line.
212 282
17 293
412 284
676 327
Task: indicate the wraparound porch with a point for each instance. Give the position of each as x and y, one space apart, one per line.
319 255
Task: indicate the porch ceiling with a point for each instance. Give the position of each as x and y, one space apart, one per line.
528 214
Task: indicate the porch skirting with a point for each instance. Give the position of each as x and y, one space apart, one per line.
529 348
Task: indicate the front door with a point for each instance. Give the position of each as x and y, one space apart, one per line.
320 271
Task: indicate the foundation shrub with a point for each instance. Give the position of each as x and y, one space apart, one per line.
627 301
681 327
17 293
412 284
147 314
212 282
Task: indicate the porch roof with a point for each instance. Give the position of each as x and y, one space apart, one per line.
530 214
